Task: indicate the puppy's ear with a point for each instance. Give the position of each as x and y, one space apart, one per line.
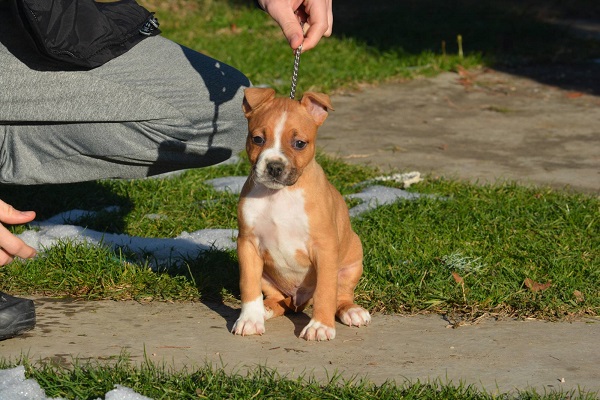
317 105
255 97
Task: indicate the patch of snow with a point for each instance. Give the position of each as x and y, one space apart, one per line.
15 386
376 196
231 184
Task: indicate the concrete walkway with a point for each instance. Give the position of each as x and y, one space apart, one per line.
479 125
498 356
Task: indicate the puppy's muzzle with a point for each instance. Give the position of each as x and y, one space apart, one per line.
276 174
275 169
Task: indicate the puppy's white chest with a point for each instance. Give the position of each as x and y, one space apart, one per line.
280 224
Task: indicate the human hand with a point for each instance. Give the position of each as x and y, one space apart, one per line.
317 16
10 245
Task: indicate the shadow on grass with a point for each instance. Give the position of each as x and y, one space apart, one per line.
529 38
50 200
517 36
505 30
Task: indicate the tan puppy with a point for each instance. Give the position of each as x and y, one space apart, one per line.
295 241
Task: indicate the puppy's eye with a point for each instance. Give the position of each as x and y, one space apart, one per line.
258 140
299 144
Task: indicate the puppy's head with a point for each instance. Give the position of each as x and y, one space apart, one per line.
282 134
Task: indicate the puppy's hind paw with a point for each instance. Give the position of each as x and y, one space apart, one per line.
315 330
355 316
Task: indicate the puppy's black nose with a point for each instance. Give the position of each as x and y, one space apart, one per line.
275 168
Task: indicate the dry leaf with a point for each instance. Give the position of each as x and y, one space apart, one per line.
462 72
578 296
466 78
574 95
457 277
536 286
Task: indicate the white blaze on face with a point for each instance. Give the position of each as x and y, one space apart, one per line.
272 153
279 132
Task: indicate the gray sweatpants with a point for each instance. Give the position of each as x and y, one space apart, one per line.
159 107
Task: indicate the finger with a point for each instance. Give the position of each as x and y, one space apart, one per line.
329 19
319 22
10 215
5 258
287 21
328 12
313 36
13 246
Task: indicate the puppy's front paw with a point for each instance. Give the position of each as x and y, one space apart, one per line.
251 320
355 316
315 330
245 327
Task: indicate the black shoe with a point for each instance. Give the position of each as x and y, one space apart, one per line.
16 316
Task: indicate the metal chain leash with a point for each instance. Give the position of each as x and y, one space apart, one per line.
295 73
297 53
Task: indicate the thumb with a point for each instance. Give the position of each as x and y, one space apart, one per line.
288 22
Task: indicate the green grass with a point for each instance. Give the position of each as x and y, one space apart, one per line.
92 380
494 237
93 273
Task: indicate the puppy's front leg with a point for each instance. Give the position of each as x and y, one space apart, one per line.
252 316
322 323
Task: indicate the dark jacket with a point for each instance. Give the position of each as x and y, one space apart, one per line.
83 33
